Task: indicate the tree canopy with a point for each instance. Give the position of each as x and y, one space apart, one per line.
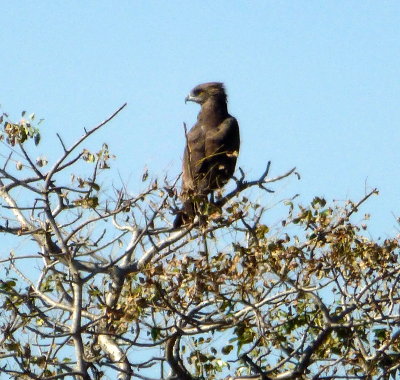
105 287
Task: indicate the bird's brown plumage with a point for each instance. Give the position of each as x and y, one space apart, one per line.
212 147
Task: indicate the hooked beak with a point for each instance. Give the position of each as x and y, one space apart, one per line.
190 98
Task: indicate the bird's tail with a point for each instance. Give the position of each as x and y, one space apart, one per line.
185 215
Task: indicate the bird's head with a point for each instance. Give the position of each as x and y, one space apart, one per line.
201 93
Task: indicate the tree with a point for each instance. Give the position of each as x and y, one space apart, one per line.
109 289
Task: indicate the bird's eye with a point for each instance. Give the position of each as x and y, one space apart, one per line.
197 92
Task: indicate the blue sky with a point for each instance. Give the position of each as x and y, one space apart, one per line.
314 84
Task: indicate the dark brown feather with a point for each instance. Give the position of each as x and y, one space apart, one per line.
211 150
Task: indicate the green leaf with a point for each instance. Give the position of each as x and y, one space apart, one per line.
94 186
145 175
41 161
90 202
37 139
227 349
7 285
318 202
380 334
155 333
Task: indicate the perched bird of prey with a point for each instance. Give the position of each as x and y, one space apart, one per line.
212 147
